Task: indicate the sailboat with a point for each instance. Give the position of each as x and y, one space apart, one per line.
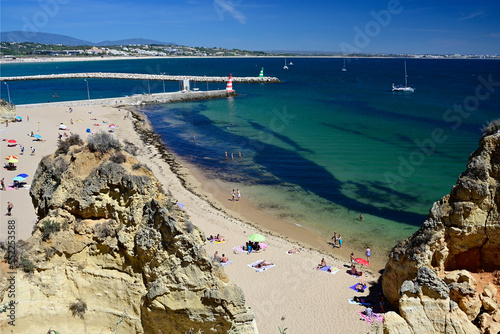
285 67
344 69
404 88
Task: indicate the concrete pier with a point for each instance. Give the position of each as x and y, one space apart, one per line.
138 76
136 100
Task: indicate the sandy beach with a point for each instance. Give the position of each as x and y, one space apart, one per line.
291 294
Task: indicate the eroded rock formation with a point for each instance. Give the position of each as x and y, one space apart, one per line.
460 235
110 235
7 111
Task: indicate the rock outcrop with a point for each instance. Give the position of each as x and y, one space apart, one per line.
109 235
460 235
7 111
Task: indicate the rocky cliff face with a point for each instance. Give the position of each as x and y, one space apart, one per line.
7 111
108 234
462 232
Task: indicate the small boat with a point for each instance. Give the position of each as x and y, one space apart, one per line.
405 88
344 69
285 67
290 63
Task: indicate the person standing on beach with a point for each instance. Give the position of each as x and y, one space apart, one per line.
239 194
335 239
368 254
352 259
3 183
361 216
232 195
340 241
10 206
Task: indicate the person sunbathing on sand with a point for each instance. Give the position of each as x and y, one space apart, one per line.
263 264
354 271
322 265
294 250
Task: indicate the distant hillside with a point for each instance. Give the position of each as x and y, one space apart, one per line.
132 41
40 37
47 38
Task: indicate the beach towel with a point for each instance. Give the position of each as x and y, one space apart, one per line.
375 316
334 270
325 268
252 265
358 303
354 287
224 264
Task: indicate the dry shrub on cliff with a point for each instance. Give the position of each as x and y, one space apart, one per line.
131 148
26 264
104 230
118 158
64 145
50 227
138 166
492 127
103 142
78 308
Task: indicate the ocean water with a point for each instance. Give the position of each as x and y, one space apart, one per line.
324 145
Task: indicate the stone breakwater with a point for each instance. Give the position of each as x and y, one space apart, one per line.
139 76
136 100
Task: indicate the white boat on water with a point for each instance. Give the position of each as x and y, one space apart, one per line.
285 67
344 69
290 63
405 88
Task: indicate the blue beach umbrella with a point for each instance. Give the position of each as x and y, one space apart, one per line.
22 175
88 130
19 118
37 136
18 179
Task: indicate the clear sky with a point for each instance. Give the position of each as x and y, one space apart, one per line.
389 26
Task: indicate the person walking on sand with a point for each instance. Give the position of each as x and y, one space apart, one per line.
352 259
3 183
239 194
340 241
232 195
368 254
10 206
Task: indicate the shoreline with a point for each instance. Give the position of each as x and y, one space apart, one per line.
292 295
213 192
77 59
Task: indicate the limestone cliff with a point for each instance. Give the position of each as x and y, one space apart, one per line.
110 235
7 111
462 231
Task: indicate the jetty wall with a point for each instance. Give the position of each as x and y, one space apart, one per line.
135 100
139 76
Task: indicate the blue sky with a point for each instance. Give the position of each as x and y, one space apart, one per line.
404 26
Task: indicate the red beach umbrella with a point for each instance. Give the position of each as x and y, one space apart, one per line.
362 261
11 156
11 141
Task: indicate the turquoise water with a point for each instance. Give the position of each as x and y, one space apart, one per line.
324 145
